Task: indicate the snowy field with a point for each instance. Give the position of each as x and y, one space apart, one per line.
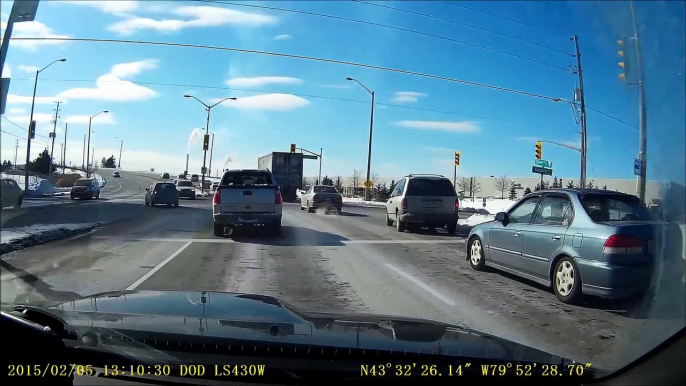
9 235
483 214
37 186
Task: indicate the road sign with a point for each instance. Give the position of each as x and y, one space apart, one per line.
368 184
540 170
543 163
307 156
637 167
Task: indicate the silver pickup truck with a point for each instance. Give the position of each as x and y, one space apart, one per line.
247 198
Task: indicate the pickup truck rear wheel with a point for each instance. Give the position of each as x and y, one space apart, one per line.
218 230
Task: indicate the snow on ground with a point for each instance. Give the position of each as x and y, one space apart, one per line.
101 180
493 206
37 186
361 202
9 235
476 219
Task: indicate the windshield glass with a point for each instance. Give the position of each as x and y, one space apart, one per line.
614 208
83 183
350 158
324 189
429 187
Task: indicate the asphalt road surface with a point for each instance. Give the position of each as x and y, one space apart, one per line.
352 262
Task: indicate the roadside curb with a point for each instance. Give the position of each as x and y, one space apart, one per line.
45 236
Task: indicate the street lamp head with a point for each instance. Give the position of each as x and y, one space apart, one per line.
349 78
62 60
233 99
105 111
186 96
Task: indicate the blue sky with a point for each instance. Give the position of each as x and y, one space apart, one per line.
495 134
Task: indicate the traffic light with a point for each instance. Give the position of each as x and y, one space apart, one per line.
32 129
206 142
457 158
539 150
622 64
292 148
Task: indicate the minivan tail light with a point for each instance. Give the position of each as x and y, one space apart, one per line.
621 244
277 197
403 204
217 196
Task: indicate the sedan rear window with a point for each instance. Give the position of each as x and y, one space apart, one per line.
184 183
246 177
164 186
325 189
429 187
605 207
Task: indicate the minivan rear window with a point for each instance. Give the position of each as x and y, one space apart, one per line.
83 183
429 187
607 207
250 177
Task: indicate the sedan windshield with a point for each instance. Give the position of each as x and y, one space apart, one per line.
184 183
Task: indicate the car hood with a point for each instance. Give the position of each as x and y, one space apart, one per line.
248 317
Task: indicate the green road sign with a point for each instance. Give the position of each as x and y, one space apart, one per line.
540 170
307 156
543 163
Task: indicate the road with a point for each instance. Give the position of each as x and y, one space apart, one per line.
352 262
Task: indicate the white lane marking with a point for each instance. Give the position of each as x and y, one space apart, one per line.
346 242
119 183
423 286
158 267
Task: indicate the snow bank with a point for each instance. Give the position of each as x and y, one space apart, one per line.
493 206
361 202
476 219
37 186
12 239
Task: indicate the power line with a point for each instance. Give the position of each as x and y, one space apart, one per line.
302 57
264 92
610 116
465 25
25 129
505 18
23 139
387 26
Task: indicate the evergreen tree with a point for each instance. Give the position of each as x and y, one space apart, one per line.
570 184
513 193
527 191
42 163
338 184
556 184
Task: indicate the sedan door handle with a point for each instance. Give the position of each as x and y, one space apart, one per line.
517 234
557 237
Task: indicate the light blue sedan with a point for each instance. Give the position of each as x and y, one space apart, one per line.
579 241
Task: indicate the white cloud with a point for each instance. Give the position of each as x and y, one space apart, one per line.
283 37
453 127
32 29
6 71
115 7
196 16
260 81
20 99
101 119
407 97
274 102
29 69
16 110
110 87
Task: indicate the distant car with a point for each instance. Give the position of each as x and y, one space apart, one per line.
165 176
214 186
116 174
423 200
182 177
195 178
321 196
12 195
161 193
186 189
579 241
85 188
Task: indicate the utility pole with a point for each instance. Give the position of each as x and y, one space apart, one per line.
121 147
16 149
321 151
582 101
64 154
211 150
52 135
83 158
92 161
642 137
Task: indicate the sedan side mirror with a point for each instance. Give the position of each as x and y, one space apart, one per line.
501 217
147 189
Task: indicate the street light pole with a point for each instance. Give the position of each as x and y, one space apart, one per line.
28 140
121 145
88 147
64 154
369 150
582 101
207 131
321 151
642 132
211 150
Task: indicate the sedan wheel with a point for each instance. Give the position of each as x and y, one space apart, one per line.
389 222
566 281
476 254
309 210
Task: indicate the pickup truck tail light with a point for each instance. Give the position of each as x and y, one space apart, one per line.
277 197
217 196
457 204
621 244
403 204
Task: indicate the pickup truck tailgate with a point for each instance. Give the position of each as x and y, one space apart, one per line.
247 199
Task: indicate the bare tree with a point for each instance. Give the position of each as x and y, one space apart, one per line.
462 184
374 178
476 188
356 178
502 184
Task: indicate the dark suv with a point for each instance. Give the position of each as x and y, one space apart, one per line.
85 188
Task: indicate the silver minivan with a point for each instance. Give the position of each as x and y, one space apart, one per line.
427 200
